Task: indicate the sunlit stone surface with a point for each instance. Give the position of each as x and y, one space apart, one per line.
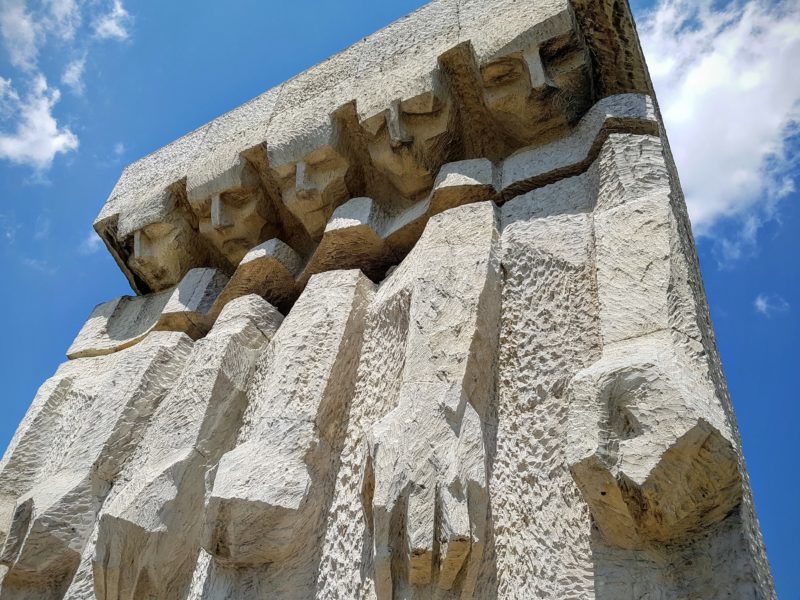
425 321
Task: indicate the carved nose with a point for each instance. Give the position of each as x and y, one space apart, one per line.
142 245
303 182
398 134
540 80
220 215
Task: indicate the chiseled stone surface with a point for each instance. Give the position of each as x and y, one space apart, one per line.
148 535
423 322
127 320
82 428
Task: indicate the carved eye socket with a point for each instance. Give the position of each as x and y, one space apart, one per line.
235 201
424 104
502 72
285 174
156 231
325 165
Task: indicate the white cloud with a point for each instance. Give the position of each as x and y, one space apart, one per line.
37 137
8 229
119 149
728 84
91 244
768 305
73 75
43 226
114 24
64 17
29 133
20 34
8 98
38 264
24 32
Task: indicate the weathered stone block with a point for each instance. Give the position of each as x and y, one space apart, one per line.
493 373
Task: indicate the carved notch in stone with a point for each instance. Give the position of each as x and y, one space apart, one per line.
269 270
649 464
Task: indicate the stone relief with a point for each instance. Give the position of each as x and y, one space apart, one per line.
313 187
425 321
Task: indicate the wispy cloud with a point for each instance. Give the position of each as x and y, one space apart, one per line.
7 98
38 264
63 17
36 137
769 305
90 244
30 134
726 77
20 34
8 229
114 24
73 75
119 149
25 31
43 226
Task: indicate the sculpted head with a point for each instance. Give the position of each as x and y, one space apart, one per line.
164 251
538 90
409 141
313 187
229 202
234 221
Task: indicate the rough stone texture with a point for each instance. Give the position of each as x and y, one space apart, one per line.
425 321
127 320
272 510
148 536
83 426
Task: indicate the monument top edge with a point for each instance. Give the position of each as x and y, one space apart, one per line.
410 44
454 80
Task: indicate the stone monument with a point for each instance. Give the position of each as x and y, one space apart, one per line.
425 321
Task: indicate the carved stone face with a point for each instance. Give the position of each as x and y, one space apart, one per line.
312 188
533 92
163 252
409 142
233 221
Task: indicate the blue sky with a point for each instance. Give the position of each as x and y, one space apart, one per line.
87 86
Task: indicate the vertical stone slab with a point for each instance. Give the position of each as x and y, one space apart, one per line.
63 471
416 524
149 529
272 491
549 330
649 441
